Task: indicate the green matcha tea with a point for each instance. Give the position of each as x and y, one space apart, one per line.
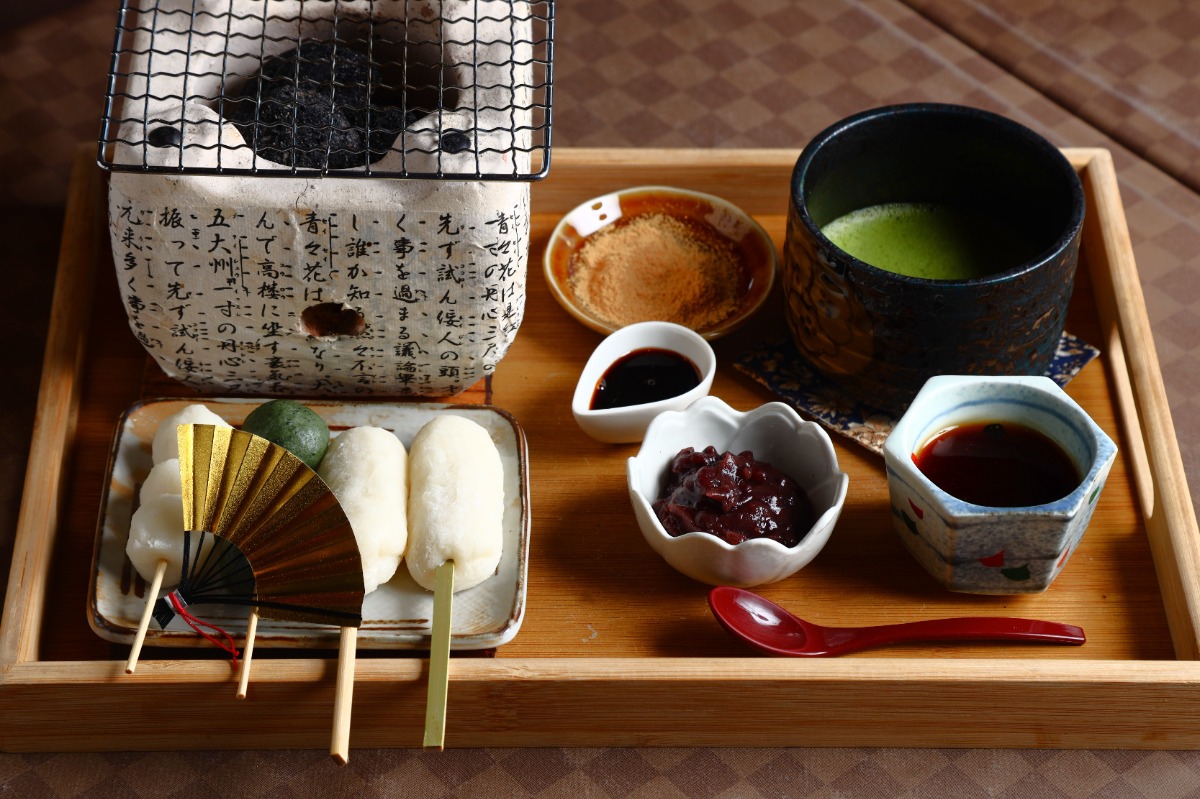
933 241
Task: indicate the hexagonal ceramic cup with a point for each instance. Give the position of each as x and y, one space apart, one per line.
986 550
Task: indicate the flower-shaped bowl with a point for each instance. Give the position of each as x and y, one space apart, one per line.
774 433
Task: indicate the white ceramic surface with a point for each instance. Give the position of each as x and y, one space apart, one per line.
378 248
397 615
748 238
977 549
623 425
775 434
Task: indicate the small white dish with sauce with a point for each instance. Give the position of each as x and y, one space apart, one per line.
628 424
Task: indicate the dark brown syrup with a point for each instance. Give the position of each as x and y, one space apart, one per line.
1000 465
642 376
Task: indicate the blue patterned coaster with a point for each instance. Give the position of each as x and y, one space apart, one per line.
779 366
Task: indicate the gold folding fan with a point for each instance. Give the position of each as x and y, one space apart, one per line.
283 520
281 544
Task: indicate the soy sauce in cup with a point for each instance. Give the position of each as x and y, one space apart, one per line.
998 465
993 548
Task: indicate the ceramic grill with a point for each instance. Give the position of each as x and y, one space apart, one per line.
326 196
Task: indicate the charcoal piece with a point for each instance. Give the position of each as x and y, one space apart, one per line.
327 94
295 126
342 71
386 124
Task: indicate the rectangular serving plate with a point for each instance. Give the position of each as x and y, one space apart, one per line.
616 649
396 615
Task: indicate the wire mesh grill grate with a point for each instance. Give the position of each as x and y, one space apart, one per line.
441 89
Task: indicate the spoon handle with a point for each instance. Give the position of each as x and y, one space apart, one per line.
979 628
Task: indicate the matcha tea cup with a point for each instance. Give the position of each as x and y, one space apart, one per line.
957 237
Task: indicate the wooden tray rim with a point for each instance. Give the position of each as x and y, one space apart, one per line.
550 690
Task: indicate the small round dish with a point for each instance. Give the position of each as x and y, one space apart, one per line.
627 424
773 433
657 253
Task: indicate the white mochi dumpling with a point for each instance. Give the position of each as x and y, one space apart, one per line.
456 502
156 533
367 470
156 530
166 441
163 479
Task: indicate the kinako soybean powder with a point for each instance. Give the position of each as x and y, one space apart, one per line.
657 267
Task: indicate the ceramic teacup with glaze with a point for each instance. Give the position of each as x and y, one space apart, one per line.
928 239
987 549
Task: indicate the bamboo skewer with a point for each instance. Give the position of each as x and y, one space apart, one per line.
343 698
160 572
247 655
439 657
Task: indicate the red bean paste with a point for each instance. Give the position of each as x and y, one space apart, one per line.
733 497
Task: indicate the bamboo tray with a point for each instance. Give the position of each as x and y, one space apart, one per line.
617 649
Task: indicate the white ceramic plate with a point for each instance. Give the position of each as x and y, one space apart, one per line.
397 615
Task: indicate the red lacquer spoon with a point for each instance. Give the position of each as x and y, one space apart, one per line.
770 629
